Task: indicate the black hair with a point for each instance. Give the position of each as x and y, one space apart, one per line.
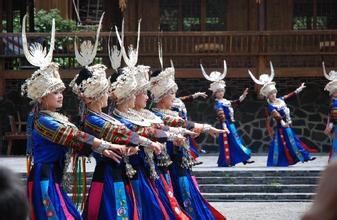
114 76
83 75
155 73
13 199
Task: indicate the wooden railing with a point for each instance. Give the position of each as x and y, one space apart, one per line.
189 49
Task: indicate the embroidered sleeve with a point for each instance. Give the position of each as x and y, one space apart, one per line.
219 111
174 121
68 136
188 98
108 131
235 103
151 133
292 94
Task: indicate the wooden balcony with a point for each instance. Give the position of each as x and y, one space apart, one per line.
293 53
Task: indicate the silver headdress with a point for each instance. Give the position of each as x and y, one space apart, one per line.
332 77
97 84
47 78
126 84
266 80
216 77
165 81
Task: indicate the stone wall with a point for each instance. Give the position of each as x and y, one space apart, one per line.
309 110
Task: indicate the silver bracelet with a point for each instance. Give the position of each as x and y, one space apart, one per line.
104 145
145 142
206 127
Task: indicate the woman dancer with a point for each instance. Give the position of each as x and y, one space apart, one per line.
286 149
331 129
52 135
232 149
163 89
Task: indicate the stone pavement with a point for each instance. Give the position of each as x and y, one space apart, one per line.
232 210
18 164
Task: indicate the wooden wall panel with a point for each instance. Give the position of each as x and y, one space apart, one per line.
279 14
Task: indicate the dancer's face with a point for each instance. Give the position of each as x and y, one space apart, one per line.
167 100
104 100
334 94
131 101
219 94
272 96
52 101
141 100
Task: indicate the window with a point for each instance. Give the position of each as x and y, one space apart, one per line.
215 15
314 14
192 15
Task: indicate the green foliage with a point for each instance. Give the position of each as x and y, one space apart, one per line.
42 20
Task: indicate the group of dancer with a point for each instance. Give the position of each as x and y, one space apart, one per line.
143 156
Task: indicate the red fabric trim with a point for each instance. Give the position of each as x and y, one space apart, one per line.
311 150
177 210
30 199
286 150
135 210
226 149
166 216
94 200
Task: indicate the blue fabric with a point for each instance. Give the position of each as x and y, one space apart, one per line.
47 157
114 198
45 196
148 203
333 153
238 152
188 195
277 155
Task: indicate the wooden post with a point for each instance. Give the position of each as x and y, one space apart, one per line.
261 59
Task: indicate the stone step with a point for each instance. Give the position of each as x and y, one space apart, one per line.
256 173
275 188
259 180
258 197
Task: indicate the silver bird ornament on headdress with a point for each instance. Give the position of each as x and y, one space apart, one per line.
115 55
266 81
215 76
331 86
47 78
130 58
36 54
88 51
264 78
332 74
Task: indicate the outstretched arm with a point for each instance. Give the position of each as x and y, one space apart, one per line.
236 103
298 90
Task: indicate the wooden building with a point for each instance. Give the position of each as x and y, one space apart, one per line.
296 35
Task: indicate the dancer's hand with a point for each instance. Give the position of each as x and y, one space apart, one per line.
284 124
299 89
132 150
328 129
199 94
112 155
120 149
214 131
179 140
244 95
156 147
